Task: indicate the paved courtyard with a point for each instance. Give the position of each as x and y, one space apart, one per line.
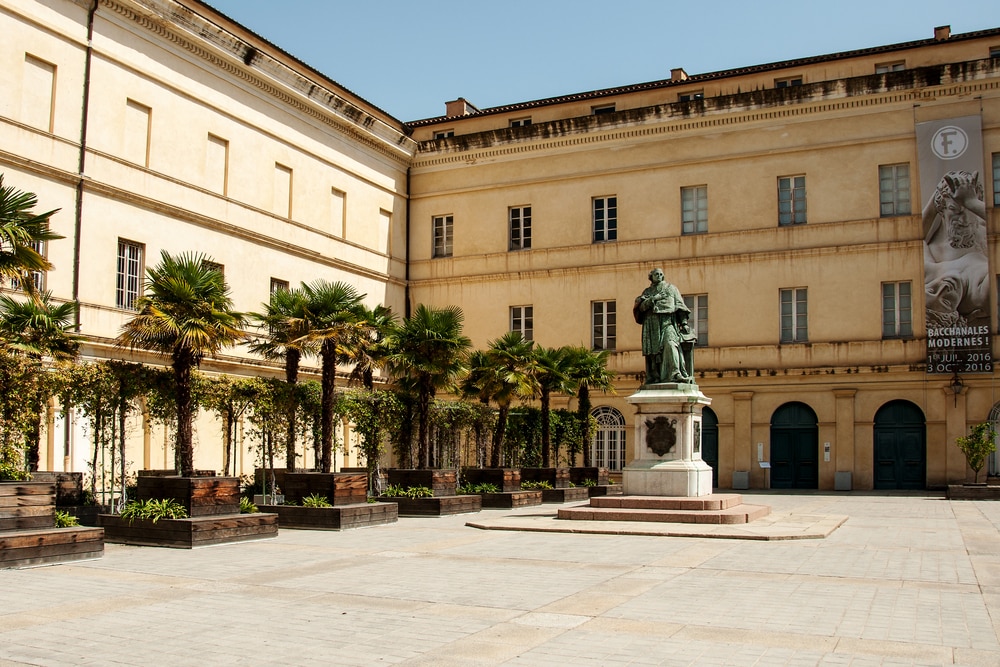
904 580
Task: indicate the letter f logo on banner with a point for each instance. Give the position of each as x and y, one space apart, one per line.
949 142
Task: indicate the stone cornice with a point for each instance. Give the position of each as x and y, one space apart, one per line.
223 50
772 105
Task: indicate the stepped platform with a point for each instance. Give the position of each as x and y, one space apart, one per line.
723 508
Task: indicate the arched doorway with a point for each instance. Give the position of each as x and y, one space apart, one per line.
900 447
609 440
794 447
710 442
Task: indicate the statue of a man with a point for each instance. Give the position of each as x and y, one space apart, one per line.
667 339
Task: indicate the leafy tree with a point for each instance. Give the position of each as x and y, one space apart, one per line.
38 329
978 445
333 315
374 414
286 317
231 398
21 231
588 369
366 350
551 368
426 354
186 313
501 374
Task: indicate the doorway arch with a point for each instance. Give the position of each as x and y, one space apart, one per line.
710 442
794 447
609 439
900 446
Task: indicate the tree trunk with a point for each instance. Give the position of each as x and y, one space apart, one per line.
498 435
328 355
183 363
546 428
292 358
423 414
583 412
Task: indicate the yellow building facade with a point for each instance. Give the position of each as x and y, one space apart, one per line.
783 200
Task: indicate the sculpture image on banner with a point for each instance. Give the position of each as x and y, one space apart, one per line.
956 266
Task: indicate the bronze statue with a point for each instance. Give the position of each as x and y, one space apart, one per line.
667 339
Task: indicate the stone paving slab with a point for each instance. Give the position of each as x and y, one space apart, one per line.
906 579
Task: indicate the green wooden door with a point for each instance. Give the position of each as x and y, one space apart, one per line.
794 447
900 447
710 443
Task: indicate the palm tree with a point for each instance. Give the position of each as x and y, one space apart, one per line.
502 373
588 369
333 320
427 353
186 313
21 233
286 318
551 371
366 351
39 329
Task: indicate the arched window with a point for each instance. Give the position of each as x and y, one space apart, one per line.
609 439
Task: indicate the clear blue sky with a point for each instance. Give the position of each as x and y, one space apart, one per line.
409 57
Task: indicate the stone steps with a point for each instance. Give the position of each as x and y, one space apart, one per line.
725 508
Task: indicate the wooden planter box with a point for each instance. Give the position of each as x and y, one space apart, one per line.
173 473
334 518
973 492
557 477
571 495
506 479
605 490
27 505
202 496
69 486
265 475
441 482
512 499
581 474
437 506
338 488
21 548
189 533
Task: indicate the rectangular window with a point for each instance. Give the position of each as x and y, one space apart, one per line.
338 213
995 52
791 200
603 109
522 319
693 95
896 313
214 266
520 122
37 277
520 227
384 232
277 285
694 210
885 68
788 82
129 274
605 325
894 189
138 121
38 94
996 179
605 219
444 134
217 165
282 204
698 305
443 230
794 313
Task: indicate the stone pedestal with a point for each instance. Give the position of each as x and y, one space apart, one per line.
668 443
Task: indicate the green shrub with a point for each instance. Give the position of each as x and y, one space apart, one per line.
977 446
395 491
316 500
153 509
247 506
476 489
65 520
536 486
589 482
10 472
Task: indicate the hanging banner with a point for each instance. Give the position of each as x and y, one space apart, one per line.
956 267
